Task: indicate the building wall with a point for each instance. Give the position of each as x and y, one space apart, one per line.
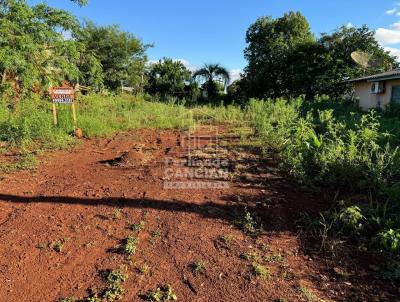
367 100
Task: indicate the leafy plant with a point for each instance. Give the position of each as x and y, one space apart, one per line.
248 224
137 227
390 241
351 218
145 269
114 289
198 267
70 299
162 293
57 245
130 245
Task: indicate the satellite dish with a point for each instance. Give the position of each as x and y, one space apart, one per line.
362 58
366 60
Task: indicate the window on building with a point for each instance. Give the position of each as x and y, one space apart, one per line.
395 94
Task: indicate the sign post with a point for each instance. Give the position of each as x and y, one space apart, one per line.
63 95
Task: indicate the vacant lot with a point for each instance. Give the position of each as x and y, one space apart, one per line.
102 207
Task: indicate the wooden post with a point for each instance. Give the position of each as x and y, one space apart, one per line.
74 116
54 114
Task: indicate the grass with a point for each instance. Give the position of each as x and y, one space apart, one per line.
260 271
349 155
155 234
26 161
118 213
309 295
321 145
30 127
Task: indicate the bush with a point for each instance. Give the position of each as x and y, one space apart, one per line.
332 146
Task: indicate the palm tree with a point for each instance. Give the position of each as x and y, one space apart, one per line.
210 74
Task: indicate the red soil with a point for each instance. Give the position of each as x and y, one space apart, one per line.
89 198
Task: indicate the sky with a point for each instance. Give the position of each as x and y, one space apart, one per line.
213 31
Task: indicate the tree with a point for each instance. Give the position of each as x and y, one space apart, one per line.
284 58
168 78
338 64
120 54
236 92
211 75
270 44
33 51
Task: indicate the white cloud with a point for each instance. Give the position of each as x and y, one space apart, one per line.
349 25
188 65
395 26
235 74
387 36
394 52
391 11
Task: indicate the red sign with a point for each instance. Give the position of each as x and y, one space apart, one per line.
62 95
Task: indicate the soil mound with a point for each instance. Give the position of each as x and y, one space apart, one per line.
137 156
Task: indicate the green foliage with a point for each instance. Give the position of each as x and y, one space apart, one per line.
33 51
285 59
70 299
198 267
390 241
260 271
137 227
114 289
120 54
270 44
335 148
57 245
168 78
162 293
212 76
248 224
31 128
41 46
351 218
130 245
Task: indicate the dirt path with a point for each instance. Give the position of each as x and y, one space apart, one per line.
61 226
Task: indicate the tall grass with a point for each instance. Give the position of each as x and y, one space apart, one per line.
29 128
31 125
336 148
322 145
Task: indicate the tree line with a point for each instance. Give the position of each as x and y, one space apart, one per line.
41 46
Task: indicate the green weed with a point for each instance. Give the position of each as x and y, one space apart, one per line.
114 289
137 227
260 271
198 267
130 245
248 224
162 293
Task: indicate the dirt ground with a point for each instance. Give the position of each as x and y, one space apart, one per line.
61 226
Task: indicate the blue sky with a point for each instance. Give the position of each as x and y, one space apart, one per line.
207 31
